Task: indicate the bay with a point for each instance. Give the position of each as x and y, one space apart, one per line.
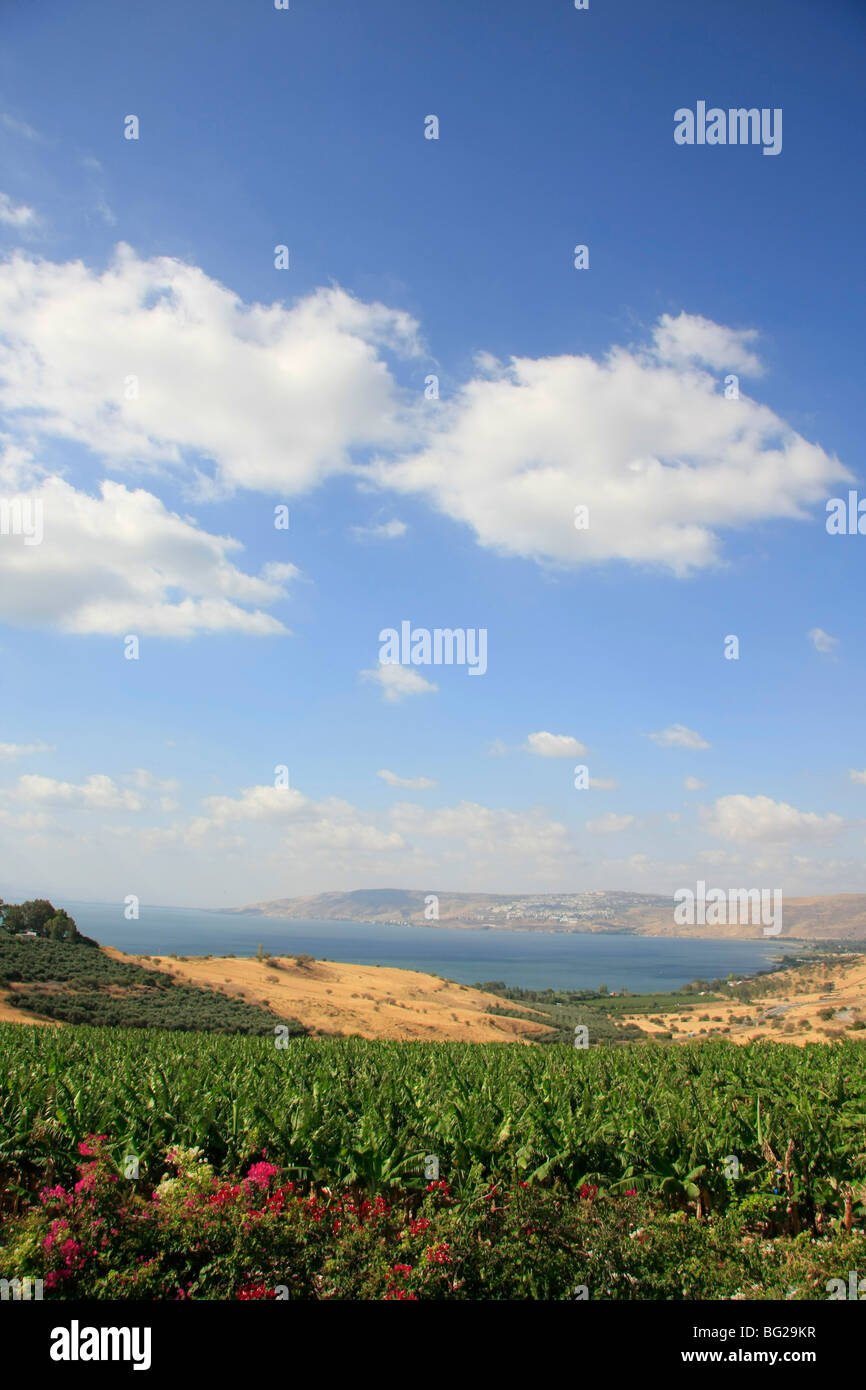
532 960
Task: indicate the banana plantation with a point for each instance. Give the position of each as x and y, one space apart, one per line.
700 1125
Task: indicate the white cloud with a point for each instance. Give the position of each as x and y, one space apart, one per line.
19 127
28 821
386 531
269 397
487 833
857 776
690 338
98 793
147 781
267 842
602 784
122 563
822 641
22 750
331 824
693 784
555 746
663 462
397 681
609 824
275 398
258 803
759 818
14 215
282 839
414 783
466 830
678 736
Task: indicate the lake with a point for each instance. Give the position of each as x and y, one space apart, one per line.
532 960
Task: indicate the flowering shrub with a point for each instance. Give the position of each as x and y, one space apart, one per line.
198 1235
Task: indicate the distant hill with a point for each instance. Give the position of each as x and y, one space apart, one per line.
839 916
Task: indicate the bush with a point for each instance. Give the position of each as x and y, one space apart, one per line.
200 1236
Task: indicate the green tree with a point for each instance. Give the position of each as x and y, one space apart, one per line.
42 917
61 927
30 916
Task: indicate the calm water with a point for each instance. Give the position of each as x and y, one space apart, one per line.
530 959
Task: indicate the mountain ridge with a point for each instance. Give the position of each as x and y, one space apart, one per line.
838 916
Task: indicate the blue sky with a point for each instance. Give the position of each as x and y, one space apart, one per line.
605 386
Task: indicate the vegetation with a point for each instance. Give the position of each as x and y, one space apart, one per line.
199 1236
596 1010
802 969
41 919
600 1012
74 985
644 1172
347 1112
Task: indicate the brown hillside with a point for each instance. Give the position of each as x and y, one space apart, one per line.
787 1008
369 1000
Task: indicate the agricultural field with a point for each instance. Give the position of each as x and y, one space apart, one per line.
350 1111
304 1171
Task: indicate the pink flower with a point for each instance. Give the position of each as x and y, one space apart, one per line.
54 1229
73 1254
52 1194
260 1174
87 1146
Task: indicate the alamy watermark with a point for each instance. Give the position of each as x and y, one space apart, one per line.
443 646
22 516
856 1288
77 1343
21 1290
846 518
736 126
729 907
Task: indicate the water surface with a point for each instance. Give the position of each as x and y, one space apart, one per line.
534 960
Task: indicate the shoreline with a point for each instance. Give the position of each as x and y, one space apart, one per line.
706 934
